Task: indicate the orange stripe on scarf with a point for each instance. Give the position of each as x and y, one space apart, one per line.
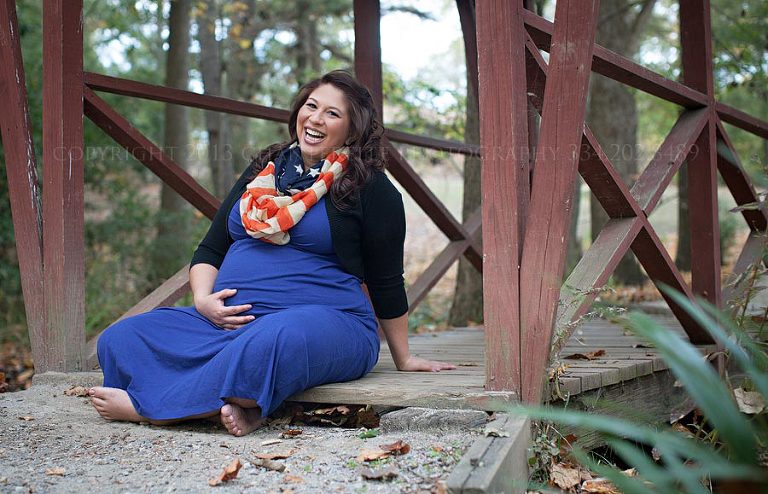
267 214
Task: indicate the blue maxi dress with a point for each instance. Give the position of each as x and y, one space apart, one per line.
314 325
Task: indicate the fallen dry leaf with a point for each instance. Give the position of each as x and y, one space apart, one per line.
682 429
280 421
372 454
275 456
567 444
27 418
288 433
397 448
55 471
292 479
750 402
76 391
554 373
603 485
564 476
269 465
341 409
365 417
379 474
270 442
230 472
586 356
599 486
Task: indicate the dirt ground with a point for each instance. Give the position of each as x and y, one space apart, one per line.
50 442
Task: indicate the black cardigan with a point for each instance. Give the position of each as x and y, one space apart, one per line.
367 237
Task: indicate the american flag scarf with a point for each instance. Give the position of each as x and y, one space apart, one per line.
267 214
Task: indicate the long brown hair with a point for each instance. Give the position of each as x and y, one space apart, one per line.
364 140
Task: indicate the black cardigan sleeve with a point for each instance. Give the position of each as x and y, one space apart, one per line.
383 239
216 242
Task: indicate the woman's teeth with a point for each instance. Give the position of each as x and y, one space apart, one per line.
313 135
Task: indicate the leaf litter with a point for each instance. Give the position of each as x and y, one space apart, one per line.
229 473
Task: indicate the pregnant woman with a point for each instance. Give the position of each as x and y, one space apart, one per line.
277 281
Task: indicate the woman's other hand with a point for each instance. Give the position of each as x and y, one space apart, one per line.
424 365
213 308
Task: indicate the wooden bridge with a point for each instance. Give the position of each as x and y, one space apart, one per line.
528 174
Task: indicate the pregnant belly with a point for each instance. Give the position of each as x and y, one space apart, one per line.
273 278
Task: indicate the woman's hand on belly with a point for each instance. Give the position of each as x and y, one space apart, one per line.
213 308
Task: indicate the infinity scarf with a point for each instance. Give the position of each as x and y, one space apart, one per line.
268 213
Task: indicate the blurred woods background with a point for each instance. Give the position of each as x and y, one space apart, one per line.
138 232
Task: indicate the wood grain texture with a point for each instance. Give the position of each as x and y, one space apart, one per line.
677 146
495 464
626 71
703 214
432 143
152 92
696 47
742 120
150 155
63 201
652 398
591 273
504 183
21 172
624 360
621 69
556 166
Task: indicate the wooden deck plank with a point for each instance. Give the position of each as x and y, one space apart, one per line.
624 361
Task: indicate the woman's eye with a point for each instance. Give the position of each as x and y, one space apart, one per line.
311 105
333 114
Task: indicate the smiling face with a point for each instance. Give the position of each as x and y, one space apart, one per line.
322 124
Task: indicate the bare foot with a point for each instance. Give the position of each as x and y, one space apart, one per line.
240 421
114 404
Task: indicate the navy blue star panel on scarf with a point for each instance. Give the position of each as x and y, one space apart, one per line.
289 168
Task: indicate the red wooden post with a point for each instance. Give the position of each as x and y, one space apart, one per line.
557 159
696 45
504 183
368 48
23 184
63 242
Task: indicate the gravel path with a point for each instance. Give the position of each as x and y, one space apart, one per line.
50 442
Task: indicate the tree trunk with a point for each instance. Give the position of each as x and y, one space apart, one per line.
468 297
174 218
242 81
307 43
219 153
612 111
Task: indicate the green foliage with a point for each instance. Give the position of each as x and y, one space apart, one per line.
685 462
424 108
368 433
